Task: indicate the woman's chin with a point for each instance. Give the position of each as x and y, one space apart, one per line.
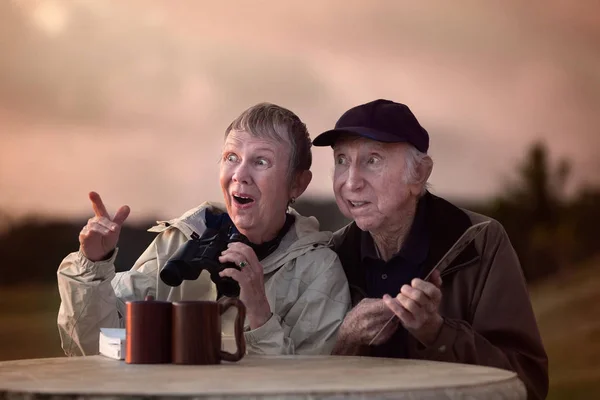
243 222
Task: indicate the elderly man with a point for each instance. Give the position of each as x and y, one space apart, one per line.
476 311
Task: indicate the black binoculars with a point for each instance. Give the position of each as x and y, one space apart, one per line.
202 253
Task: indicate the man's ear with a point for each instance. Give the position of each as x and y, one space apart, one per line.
300 183
424 170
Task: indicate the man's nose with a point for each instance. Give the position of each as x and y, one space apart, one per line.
242 174
355 180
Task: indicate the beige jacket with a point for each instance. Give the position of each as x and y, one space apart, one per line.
304 282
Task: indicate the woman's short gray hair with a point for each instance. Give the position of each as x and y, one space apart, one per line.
280 124
413 159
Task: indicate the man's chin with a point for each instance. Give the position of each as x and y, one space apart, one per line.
362 221
365 223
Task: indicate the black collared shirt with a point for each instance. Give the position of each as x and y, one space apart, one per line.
388 277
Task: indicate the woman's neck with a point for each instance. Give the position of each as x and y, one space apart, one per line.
389 239
261 235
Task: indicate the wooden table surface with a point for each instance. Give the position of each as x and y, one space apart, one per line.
289 377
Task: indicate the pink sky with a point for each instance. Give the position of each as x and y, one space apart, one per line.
131 98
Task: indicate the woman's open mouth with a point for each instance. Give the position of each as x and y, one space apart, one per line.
242 199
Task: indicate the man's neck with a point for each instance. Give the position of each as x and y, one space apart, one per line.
390 239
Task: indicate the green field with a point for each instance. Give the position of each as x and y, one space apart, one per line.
567 308
568 312
28 322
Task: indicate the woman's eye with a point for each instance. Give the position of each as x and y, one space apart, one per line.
231 157
261 162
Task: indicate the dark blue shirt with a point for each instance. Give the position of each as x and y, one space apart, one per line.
388 277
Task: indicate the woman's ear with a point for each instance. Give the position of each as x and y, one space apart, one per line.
300 183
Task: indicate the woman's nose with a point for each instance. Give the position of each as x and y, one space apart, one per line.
242 174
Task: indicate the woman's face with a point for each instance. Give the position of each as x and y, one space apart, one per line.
255 182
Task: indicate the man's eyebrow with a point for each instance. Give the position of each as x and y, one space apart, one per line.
377 146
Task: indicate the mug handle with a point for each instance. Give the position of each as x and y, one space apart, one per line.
224 304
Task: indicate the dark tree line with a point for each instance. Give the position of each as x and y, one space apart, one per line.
549 230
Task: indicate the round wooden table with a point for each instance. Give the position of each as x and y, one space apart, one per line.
283 377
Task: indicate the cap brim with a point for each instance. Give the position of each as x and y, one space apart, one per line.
328 138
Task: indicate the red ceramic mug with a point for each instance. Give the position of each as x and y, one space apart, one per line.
148 332
197 331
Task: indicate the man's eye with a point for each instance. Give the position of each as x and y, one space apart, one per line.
231 157
340 160
372 160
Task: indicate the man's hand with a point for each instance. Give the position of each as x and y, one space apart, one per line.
251 279
417 307
361 325
100 235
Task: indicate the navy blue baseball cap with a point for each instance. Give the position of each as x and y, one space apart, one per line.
380 120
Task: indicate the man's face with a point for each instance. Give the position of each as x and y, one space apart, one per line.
369 182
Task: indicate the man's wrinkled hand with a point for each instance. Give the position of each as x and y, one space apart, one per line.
417 308
361 325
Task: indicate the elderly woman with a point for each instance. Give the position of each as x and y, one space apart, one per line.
480 314
292 283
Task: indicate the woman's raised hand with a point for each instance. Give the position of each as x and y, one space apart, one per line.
99 236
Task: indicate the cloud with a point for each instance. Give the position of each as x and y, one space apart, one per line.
131 98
